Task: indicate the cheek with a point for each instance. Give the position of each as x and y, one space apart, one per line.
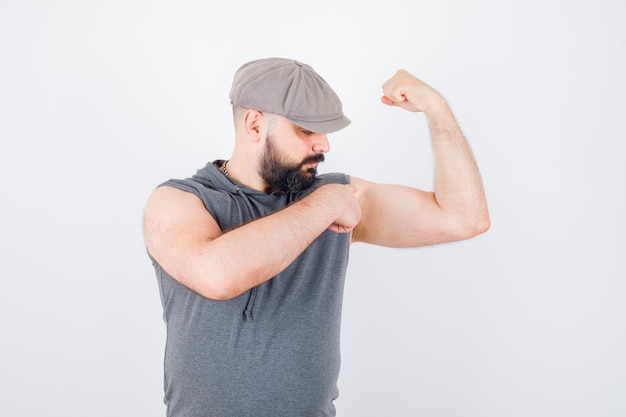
296 150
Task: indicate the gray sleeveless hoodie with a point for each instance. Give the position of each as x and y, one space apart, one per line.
274 350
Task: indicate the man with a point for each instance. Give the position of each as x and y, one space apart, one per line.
251 252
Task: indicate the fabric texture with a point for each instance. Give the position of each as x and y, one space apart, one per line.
272 351
290 89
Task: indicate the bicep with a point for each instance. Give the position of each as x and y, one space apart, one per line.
176 225
399 216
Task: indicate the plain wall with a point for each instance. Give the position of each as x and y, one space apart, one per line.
102 101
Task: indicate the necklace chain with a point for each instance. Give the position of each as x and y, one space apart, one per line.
224 169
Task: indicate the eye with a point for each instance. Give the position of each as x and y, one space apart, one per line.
307 132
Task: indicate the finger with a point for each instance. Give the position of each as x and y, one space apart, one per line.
338 228
394 99
404 104
396 94
386 100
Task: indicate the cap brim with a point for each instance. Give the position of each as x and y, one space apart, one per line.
326 126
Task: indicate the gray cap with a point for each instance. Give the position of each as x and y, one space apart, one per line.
290 89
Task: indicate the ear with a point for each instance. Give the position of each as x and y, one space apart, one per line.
252 122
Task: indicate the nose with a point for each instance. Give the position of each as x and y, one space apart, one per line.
320 143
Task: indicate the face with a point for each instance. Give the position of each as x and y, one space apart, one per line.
285 176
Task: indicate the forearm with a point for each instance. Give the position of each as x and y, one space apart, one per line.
251 254
458 185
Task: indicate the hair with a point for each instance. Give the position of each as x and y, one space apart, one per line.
239 112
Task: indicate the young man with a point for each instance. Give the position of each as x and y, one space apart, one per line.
251 252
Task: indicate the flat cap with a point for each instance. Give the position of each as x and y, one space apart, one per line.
290 89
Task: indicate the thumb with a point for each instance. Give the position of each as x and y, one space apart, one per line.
386 100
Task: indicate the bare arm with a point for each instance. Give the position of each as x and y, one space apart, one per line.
400 216
187 242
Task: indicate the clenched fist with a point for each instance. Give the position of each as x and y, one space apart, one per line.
410 93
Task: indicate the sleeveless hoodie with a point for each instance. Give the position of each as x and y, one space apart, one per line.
272 351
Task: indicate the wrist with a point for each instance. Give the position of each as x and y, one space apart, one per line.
437 107
322 203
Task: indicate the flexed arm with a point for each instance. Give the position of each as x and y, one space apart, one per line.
400 216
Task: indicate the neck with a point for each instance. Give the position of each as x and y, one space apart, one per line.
243 172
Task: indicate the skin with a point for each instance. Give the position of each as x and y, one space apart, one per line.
187 242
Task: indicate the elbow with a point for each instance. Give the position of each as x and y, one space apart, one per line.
472 227
479 226
201 277
482 224
215 280
218 287
220 290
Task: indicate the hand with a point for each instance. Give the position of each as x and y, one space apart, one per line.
410 93
344 201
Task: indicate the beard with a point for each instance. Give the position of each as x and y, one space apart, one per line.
279 175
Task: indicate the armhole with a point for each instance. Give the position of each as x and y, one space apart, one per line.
183 186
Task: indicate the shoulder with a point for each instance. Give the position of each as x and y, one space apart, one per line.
208 185
207 179
173 215
166 203
361 183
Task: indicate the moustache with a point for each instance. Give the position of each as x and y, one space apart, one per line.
313 159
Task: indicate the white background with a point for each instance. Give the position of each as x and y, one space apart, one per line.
102 101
